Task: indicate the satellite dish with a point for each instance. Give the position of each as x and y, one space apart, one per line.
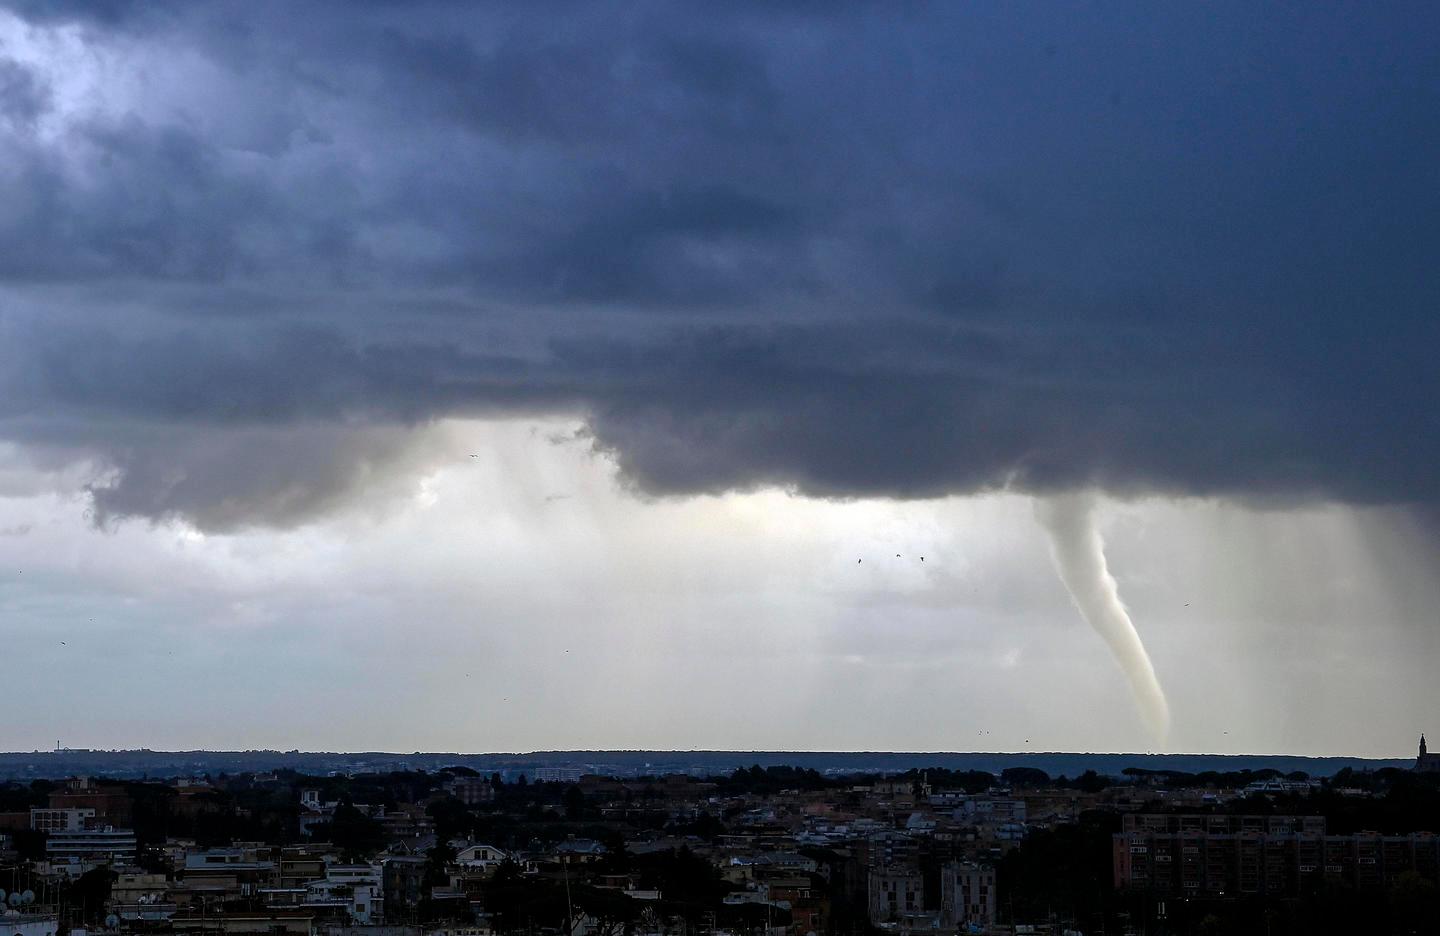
112 921
14 899
28 897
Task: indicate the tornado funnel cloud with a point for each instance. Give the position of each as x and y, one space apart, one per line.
1079 555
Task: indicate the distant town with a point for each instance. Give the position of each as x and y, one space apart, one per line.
383 845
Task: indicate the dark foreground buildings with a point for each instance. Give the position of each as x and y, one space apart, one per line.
773 851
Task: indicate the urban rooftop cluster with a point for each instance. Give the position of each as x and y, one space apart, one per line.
775 851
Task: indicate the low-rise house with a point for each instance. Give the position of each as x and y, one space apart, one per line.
481 857
358 887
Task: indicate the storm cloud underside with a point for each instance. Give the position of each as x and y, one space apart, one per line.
248 256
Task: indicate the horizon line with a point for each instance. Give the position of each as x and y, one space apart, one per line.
706 751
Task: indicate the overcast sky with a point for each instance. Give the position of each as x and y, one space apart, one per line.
515 376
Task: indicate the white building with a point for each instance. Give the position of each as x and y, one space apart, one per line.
483 857
61 820
967 894
895 893
77 852
358 888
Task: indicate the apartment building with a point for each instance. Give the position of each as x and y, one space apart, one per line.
1200 855
967 895
76 852
62 820
894 893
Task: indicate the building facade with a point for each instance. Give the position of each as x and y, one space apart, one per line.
61 820
471 791
1219 856
894 893
967 895
78 852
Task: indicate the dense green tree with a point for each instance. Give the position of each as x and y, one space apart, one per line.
452 819
691 885
1064 869
458 770
518 903
89 893
29 844
353 832
1024 776
574 803
612 912
437 863
766 780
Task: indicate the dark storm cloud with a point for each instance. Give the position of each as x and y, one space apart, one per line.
852 249
23 97
110 13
